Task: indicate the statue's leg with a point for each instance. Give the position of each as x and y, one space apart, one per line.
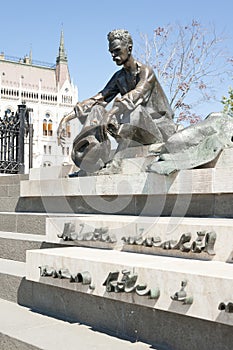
138 126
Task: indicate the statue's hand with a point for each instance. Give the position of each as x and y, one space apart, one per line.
78 109
82 108
112 125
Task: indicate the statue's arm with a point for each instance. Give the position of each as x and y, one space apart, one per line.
81 109
103 97
84 107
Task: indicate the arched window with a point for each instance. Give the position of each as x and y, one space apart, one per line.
45 127
50 127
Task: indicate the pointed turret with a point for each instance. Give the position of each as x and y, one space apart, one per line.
62 57
62 71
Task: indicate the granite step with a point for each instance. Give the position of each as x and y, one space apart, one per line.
14 179
10 191
12 275
8 204
27 222
13 246
23 222
21 328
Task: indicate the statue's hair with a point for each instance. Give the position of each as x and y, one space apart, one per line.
122 35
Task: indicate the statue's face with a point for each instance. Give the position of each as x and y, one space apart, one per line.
120 51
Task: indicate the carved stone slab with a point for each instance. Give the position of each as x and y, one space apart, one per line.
174 236
129 277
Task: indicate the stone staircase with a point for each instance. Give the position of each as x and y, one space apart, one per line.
133 237
22 325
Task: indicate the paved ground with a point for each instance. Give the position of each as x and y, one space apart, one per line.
43 332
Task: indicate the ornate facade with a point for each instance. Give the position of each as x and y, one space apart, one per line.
48 90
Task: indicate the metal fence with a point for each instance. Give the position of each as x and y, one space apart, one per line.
14 128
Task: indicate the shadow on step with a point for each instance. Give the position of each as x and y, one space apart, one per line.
161 329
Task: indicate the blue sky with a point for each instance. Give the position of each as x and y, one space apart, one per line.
37 25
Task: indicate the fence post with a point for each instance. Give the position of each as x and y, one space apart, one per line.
22 112
30 136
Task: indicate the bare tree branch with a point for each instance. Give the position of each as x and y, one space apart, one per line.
189 61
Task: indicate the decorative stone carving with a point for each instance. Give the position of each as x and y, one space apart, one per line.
210 239
181 295
68 231
128 284
139 240
98 234
183 244
83 277
63 273
110 281
142 290
199 244
203 243
47 271
195 145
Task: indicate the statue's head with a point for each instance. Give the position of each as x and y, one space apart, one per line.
120 45
122 35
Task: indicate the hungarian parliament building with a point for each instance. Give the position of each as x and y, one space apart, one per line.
48 91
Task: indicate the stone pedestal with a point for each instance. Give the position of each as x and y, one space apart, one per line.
156 244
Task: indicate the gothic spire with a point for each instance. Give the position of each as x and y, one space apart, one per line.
62 70
62 57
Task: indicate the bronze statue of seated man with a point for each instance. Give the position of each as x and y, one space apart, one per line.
140 113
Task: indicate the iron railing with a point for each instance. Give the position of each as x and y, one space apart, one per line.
14 128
